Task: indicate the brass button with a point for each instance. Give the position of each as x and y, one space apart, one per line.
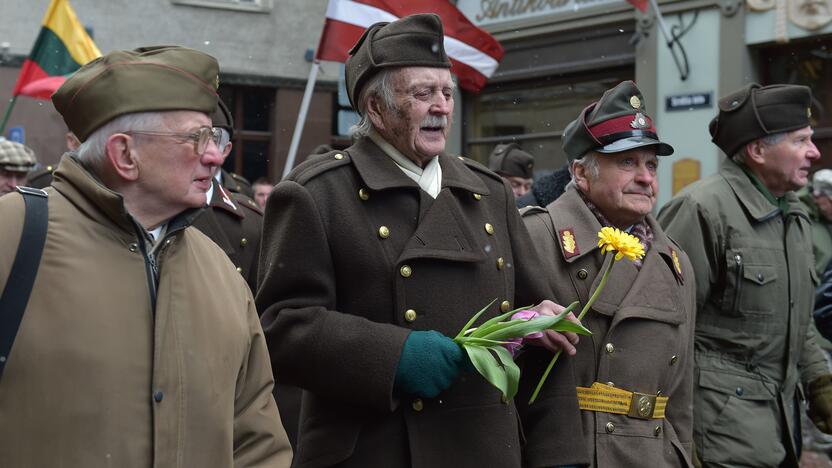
582 274
417 405
339 156
384 232
410 315
405 271
363 194
674 359
610 348
243 241
489 228
505 306
477 197
133 247
611 384
501 263
610 427
239 269
659 392
49 168
657 430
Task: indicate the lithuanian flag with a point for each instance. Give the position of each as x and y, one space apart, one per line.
62 47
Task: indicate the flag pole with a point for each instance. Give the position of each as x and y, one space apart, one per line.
9 108
304 109
662 24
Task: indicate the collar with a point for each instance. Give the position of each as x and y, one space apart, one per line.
429 178
221 199
755 202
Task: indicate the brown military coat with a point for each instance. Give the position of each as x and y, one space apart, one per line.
236 183
355 255
234 222
642 326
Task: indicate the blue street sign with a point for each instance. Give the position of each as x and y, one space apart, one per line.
18 135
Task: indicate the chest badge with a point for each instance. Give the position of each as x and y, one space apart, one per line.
677 265
567 242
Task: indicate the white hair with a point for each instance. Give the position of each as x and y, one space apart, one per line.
93 151
768 140
381 87
589 162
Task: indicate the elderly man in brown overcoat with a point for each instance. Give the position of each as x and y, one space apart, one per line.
635 372
140 344
373 256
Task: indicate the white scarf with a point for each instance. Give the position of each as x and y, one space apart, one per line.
429 178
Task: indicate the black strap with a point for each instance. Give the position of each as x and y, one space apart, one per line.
24 269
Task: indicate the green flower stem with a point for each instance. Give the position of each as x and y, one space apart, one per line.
586 308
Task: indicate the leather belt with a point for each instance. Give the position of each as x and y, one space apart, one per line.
608 399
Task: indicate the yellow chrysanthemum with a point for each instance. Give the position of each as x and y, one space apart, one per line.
622 243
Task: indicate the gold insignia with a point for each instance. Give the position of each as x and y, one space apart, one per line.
635 102
809 112
676 264
639 121
567 240
217 82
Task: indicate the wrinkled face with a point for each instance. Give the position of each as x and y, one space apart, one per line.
626 187
10 179
419 124
519 185
261 194
171 174
785 165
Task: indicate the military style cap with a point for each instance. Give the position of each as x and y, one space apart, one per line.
510 160
222 118
15 157
159 78
617 122
413 41
822 182
757 111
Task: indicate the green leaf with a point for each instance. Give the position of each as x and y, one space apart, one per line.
495 320
566 326
479 341
520 328
489 367
474 318
511 369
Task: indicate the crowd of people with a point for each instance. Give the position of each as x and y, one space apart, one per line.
160 311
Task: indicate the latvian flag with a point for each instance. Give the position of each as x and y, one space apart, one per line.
474 53
62 47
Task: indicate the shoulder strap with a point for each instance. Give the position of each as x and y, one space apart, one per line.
24 269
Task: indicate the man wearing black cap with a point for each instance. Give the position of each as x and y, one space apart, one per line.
750 243
514 165
374 256
140 344
641 351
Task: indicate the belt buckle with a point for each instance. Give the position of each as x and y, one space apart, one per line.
642 406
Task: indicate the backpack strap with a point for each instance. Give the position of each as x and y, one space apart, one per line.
24 269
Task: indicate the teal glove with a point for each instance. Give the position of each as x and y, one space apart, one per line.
429 363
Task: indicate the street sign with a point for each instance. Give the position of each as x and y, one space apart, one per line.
17 134
680 102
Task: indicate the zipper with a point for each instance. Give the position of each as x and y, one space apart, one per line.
738 288
151 271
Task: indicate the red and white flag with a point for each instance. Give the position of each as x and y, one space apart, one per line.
474 53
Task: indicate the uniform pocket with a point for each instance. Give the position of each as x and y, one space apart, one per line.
750 284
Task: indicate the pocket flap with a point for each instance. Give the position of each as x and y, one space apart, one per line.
760 274
739 386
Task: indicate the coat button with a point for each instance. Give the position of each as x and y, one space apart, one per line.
461 158
657 430
501 263
658 392
363 194
477 197
239 269
582 274
759 277
243 242
339 156
133 247
168 242
158 396
673 359
417 405
489 228
739 391
384 232
405 271
505 306
610 427
410 315
611 384
610 348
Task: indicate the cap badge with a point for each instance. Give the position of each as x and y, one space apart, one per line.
640 121
635 102
567 241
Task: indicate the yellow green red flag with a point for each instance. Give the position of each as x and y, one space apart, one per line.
62 47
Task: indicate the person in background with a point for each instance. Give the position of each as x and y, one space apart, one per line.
514 165
546 188
262 188
16 162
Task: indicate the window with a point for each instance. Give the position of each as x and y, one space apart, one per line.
252 109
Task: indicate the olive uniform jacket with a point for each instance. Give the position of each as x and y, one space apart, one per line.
642 332
754 290
110 368
234 222
355 255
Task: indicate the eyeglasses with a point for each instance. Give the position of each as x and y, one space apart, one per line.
200 137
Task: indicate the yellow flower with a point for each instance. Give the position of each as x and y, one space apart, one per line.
622 243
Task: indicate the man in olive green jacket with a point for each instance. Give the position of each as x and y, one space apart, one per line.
750 244
817 201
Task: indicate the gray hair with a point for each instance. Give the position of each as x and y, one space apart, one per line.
380 86
589 162
93 151
768 140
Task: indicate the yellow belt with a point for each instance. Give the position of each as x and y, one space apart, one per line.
608 399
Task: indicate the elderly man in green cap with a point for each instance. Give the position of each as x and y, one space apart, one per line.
514 165
16 162
374 256
139 344
750 242
641 351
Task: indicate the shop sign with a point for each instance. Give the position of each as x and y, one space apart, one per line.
483 12
681 102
